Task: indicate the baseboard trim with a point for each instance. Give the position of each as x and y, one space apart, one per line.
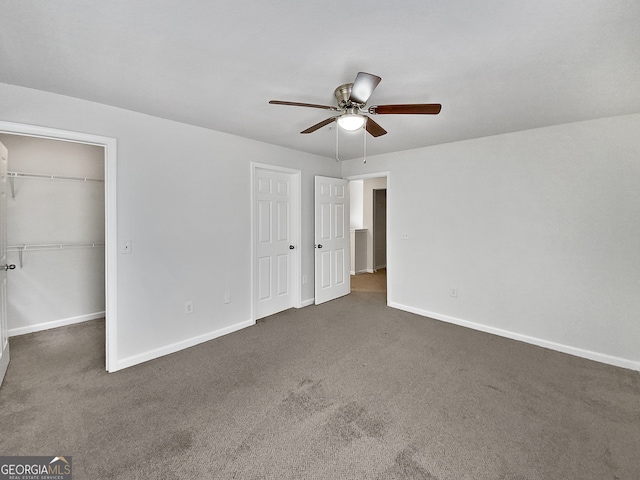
307 302
14 332
177 346
559 347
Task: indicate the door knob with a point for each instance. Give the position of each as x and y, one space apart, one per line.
291 247
319 245
9 267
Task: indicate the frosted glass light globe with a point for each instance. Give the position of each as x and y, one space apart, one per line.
350 121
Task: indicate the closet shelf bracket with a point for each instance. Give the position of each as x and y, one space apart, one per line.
20 250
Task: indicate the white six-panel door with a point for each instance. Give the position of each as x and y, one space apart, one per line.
4 333
332 234
276 241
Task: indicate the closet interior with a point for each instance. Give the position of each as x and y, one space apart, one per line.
55 233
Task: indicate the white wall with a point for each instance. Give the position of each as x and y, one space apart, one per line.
184 201
538 230
356 203
55 287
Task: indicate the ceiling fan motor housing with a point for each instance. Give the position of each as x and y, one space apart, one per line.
342 93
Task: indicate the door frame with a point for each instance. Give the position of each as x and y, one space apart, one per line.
387 175
110 215
296 228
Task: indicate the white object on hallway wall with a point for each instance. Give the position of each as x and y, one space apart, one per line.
358 251
356 202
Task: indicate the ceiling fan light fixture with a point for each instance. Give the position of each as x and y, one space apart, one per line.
352 99
350 121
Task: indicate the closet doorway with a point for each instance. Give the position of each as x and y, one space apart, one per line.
61 231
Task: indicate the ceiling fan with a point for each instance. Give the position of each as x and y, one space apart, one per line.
352 99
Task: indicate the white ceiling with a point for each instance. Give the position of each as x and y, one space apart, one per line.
496 66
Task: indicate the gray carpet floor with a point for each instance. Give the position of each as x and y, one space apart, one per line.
346 390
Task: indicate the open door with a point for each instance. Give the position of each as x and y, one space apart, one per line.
4 267
332 252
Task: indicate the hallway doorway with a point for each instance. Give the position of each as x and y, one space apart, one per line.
369 228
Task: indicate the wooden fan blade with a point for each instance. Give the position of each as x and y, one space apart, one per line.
374 129
319 125
363 87
298 104
409 109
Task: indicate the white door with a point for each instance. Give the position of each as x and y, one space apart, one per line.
4 334
332 233
276 242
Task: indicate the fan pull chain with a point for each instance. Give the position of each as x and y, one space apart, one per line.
364 145
364 150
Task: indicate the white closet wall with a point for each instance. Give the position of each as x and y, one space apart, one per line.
55 286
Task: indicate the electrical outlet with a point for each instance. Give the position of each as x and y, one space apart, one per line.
304 279
127 246
404 236
453 291
227 297
188 307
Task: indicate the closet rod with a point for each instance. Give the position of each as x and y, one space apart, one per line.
13 175
47 176
49 246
